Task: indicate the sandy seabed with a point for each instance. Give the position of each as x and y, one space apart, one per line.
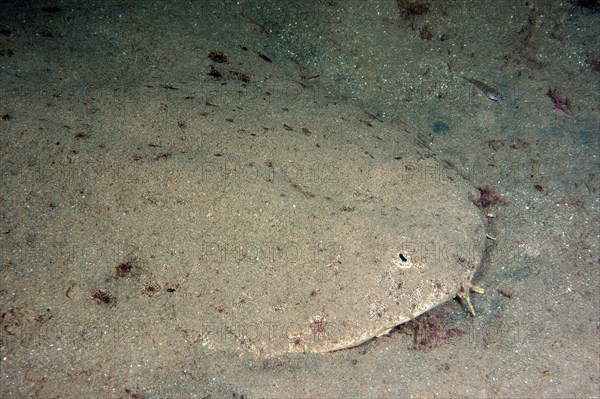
106 107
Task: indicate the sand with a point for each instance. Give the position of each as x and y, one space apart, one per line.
106 110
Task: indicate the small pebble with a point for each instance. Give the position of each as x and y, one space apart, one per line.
440 128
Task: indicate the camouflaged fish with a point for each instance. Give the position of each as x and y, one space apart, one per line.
489 91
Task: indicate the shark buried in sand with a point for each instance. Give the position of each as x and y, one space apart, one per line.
274 241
